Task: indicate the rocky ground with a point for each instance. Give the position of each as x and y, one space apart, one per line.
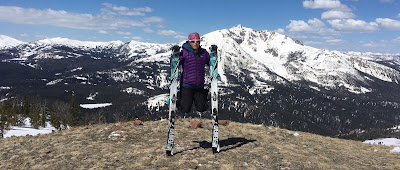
243 146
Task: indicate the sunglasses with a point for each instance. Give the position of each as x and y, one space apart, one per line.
193 41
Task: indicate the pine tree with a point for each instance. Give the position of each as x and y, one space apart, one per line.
54 115
35 116
74 112
43 115
2 122
34 112
25 106
57 115
86 120
18 110
5 110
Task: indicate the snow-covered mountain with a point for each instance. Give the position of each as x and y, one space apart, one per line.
8 42
265 77
288 59
77 43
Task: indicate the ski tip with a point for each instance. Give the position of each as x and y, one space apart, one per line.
175 48
213 48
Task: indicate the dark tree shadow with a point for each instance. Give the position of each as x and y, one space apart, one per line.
230 143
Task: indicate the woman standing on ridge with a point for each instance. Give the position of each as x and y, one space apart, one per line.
193 59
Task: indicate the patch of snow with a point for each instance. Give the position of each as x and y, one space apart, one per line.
396 127
147 49
76 69
81 78
114 134
4 88
92 96
156 101
131 90
27 129
54 82
384 141
150 87
95 106
395 150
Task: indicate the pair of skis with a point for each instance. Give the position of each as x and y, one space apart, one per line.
173 98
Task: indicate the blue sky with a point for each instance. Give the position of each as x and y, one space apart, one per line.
344 25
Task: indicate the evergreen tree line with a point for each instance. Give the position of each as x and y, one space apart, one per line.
14 111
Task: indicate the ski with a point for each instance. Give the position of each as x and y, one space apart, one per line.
214 97
173 99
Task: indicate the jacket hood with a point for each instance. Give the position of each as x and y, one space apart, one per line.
187 46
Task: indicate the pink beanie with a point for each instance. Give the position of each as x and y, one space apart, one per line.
194 36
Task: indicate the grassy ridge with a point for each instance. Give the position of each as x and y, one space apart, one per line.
128 146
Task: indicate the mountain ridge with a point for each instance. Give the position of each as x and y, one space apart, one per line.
265 78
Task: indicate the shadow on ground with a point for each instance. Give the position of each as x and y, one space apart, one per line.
225 145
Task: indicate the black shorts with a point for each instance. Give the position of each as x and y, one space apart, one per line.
188 95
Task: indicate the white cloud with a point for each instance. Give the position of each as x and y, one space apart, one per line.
167 32
33 16
334 41
383 46
126 11
136 38
315 26
40 36
398 15
351 25
149 20
316 23
280 31
103 32
123 33
108 19
312 42
388 23
299 36
324 4
337 10
336 14
171 33
370 44
298 26
180 37
384 1
148 30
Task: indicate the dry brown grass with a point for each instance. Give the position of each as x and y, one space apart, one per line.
243 146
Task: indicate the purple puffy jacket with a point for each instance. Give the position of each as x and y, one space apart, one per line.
193 65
